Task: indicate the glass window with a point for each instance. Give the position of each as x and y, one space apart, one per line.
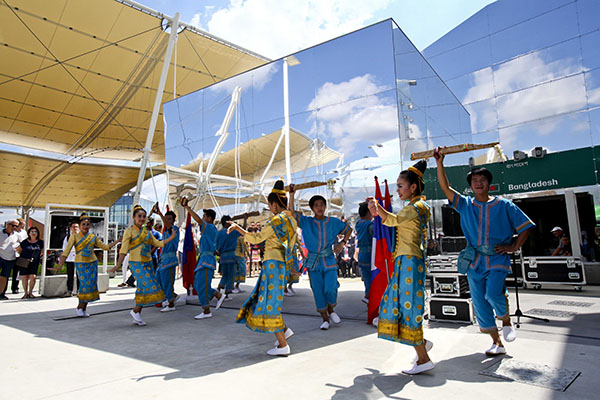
505 13
588 12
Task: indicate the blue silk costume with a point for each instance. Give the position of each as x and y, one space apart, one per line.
486 225
319 237
165 273
226 245
364 235
205 268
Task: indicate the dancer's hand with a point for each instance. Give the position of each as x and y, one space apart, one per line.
232 227
373 206
338 248
110 271
292 188
184 202
439 157
505 248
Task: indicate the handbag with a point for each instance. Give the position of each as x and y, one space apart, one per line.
22 262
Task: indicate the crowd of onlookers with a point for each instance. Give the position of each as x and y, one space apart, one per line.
20 255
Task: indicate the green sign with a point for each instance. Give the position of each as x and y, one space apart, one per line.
558 170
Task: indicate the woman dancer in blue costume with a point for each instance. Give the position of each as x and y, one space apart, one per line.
262 311
403 303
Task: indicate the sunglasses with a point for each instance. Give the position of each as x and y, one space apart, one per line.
14 226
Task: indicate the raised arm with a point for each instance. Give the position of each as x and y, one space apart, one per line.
156 209
377 209
291 207
186 206
441 173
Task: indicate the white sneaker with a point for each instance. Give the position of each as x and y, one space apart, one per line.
509 333
203 316
167 308
222 290
335 318
365 300
220 301
428 347
80 312
227 298
291 289
324 326
495 350
165 303
288 334
288 294
375 322
281 352
235 291
418 369
137 318
85 314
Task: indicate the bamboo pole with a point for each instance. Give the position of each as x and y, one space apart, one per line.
459 148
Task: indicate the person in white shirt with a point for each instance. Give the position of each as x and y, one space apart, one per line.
73 229
9 241
22 235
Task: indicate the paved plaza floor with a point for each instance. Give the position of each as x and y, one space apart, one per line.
49 354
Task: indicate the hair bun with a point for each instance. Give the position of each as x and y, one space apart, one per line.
421 165
279 185
83 216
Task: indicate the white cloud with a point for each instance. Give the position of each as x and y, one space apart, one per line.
514 104
353 112
256 79
276 28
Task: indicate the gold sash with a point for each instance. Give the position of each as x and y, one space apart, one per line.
84 242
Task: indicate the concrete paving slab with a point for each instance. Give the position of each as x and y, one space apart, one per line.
175 356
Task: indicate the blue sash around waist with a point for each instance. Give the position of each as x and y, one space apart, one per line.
312 258
468 255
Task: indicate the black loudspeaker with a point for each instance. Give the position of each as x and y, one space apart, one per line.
451 221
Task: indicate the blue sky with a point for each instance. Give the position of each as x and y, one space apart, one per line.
304 23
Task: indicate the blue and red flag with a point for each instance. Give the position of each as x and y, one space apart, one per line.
188 264
383 265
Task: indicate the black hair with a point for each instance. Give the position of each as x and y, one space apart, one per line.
481 171
32 228
412 177
316 198
74 222
171 213
363 209
278 198
138 208
211 213
225 219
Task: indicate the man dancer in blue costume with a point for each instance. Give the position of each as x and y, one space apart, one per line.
226 245
364 236
320 234
205 268
488 224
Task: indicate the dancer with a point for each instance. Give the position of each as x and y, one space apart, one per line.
488 224
320 233
241 250
165 273
138 242
293 273
401 309
86 263
364 236
262 310
205 267
226 246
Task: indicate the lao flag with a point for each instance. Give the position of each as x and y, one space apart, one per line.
382 266
188 264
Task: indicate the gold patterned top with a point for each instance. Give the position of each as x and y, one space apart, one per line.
410 241
138 243
84 247
274 250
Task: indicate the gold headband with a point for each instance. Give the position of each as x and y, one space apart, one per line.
278 191
416 172
138 207
84 216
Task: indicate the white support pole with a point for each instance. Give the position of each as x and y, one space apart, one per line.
157 102
286 116
573 218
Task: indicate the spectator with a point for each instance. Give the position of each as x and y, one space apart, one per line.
9 241
22 235
558 233
432 248
73 229
30 250
564 249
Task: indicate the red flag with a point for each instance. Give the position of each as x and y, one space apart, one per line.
383 266
188 264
